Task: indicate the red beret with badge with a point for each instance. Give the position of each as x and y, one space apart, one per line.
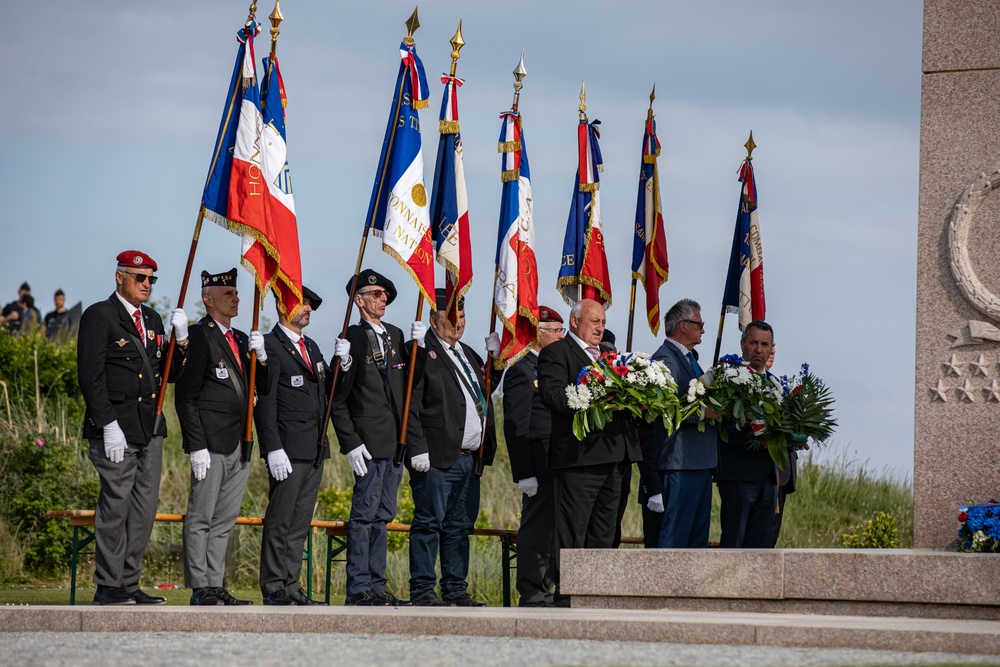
136 259
546 314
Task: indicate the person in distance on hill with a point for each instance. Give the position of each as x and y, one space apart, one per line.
289 420
586 474
677 470
119 365
368 415
211 400
456 417
527 426
57 321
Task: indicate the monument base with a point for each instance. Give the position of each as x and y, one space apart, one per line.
852 582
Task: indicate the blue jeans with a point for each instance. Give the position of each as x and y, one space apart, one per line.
445 506
373 505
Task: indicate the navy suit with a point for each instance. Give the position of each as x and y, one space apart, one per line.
680 466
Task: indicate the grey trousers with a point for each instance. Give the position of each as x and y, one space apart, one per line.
373 505
126 509
534 546
213 506
290 505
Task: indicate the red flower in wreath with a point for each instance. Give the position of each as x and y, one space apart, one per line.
963 517
621 370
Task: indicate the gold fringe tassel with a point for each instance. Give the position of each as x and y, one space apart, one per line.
590 187
510 175
448 126
508 146
249 81
421 104
651 159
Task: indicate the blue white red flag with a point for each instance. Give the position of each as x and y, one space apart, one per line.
515 291
649 243
282 270
744 293
584 269
397 211
450 203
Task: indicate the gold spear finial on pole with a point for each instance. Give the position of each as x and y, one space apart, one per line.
750 145
276 19
412 24
456 45
519 74
583 99
252 10
652 96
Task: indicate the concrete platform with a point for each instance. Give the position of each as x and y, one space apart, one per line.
742 629
864 582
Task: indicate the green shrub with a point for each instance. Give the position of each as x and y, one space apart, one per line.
879 532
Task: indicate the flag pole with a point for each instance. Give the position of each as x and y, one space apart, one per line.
172 346
276 18
400 454
749 145
412 24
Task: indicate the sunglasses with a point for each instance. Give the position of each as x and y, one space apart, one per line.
375 293
142 277
701 325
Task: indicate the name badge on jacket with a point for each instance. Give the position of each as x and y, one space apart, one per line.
298 381
222 373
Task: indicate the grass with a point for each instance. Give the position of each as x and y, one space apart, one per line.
830 500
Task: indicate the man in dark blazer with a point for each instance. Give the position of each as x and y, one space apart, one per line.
289 420
119 366
527 425
682 463
211 400
586 474
368 415
747 477
456 418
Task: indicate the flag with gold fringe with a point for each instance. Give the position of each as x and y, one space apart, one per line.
649 243
515 296
744 293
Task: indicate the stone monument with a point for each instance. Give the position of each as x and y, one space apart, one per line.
957 403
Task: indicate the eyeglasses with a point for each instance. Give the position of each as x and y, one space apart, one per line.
375 293
701 325
558 331
142 277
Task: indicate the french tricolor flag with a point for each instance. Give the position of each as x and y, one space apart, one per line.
744 293
398 211
649 244
515 292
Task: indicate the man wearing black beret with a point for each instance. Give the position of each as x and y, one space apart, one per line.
368 415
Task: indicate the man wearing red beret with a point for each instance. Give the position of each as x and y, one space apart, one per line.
119 365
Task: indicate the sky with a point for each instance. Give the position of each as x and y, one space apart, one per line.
112 110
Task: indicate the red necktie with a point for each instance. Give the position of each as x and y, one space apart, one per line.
234 347
305 353
138 325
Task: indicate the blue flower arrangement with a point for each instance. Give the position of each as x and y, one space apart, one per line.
980 529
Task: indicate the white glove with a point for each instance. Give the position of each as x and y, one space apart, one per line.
417 332
421 462
257 345
179 321
655 503
528 487
114 442
493 343
279 464
356 457
342 349
201 461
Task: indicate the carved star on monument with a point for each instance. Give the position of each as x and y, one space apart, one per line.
992 393
980 366
965 392
953 366
939 393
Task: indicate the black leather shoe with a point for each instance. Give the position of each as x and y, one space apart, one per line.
145 598
562 601
536 603
465 600
279 597
391 600
364 599
205 597
304 600
108 595
430 600
227 598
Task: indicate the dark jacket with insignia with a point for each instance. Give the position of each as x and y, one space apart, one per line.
527 423
211 393
442 400
114 380
290 414
368 407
